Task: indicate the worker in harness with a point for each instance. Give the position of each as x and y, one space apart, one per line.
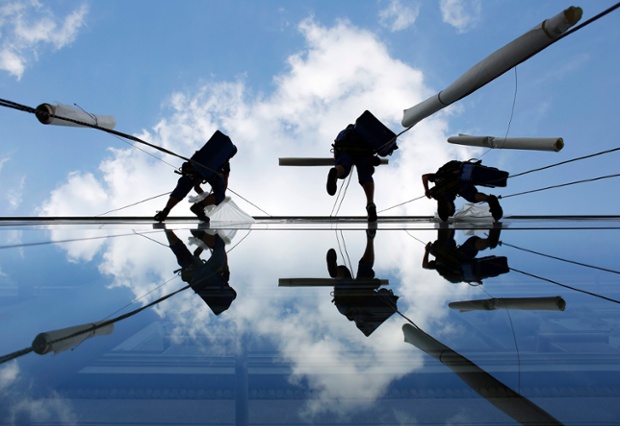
459 178
209 165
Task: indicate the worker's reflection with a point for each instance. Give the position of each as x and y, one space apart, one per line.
208 278
458 263
361 299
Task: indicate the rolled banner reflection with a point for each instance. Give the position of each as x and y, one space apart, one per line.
70 337
496 64
55 114
517 303
501 396
530 144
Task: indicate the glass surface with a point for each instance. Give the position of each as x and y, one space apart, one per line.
408 323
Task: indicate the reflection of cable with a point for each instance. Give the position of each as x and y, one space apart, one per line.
344 252
561 259
567 286
71 240
141 297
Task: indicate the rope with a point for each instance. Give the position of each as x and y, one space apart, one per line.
608 151
403 203
20 107
134 204
560 185
567 33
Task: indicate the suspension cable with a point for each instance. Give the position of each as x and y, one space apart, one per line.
608 151
25 108
560 185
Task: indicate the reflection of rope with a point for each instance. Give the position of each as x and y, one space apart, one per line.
566 286
561 259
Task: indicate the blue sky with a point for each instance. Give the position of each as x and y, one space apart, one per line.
282 78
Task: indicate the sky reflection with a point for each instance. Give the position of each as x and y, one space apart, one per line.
325 344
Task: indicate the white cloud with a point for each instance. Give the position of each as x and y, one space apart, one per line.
29 26
313 100
397 16
461 14
20 407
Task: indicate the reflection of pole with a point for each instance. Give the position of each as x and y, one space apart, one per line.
495 64
326 282
68 338
242 394
519 303
312 161
501 396
534 144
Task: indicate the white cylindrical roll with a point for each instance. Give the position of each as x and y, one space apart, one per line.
533 144
50 114
495 64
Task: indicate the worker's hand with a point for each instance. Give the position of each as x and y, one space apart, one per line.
428 194
428 246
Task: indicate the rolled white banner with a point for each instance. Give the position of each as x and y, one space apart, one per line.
49 114
495 64
532 144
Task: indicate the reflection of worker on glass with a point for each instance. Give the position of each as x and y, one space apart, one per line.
208 279
361 299
458 263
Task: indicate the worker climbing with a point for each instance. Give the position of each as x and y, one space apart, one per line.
210 165
358 145
459 178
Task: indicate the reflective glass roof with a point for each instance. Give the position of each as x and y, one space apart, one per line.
310 320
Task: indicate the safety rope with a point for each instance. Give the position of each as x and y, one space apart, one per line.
566 162
25 108
560 185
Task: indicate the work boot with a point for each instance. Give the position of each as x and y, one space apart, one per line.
496 209
199 210
160 216
332 177
372 212
331 259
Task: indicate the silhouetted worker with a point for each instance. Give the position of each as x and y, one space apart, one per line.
459 178
209 279
351 149
459 263
209 165
359 298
